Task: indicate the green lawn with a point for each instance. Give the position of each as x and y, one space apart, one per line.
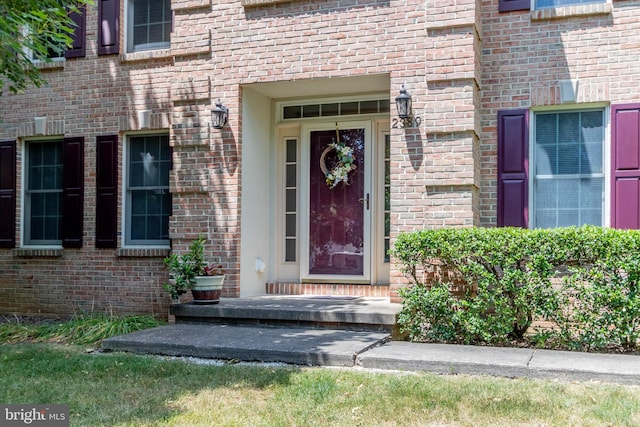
130 390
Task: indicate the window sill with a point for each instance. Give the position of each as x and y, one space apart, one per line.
146 55
55 64
143 252
571 11
38 252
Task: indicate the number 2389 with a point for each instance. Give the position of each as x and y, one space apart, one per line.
409 122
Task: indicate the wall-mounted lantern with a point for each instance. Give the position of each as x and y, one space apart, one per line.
403 104
219 115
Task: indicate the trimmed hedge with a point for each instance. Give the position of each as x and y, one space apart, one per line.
489 285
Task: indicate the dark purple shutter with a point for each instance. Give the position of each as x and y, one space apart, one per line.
513 165
77 49
625 159
108 27
7 194
511 5
106 191
72 192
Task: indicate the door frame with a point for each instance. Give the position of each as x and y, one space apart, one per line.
368 246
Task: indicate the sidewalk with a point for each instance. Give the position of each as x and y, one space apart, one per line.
373 350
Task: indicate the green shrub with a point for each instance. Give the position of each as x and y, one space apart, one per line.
583 279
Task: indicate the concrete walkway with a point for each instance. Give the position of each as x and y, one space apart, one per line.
373 350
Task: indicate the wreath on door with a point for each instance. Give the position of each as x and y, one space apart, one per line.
345 163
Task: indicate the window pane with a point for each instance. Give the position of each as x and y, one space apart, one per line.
545 194
568 193
545 218
294 112
591 158
546 160
568 159
591 216
291 151
290 250
592 191
310 111
330 109
290 205
368 107
349 108
290 225
291 176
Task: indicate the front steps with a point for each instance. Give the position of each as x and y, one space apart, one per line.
328 289
352 313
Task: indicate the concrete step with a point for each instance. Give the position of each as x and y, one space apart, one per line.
300 346
347 313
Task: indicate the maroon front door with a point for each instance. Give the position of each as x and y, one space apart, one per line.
337 210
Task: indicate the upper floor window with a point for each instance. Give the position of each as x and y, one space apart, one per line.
47 48
546 4
43 193
568 168
147 190
149 24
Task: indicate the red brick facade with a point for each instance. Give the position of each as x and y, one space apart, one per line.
461 61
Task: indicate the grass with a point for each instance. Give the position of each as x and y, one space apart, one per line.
80 330
131 390
116 389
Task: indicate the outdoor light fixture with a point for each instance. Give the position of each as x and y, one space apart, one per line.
219 115
403 104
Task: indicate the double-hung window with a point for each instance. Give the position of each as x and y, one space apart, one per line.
43 193
149 24
568 168
147 190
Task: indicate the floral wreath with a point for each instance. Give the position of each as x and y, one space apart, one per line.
345 164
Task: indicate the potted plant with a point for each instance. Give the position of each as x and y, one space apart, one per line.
191 271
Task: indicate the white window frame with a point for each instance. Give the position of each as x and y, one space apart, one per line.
129 33
606 144
126 212
26 197
29 53
534 4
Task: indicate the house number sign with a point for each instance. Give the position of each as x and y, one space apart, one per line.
409 122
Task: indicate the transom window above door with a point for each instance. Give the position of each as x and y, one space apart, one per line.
330 109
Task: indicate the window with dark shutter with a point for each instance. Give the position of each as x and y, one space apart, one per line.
511 5
106 191
78 49
108 27
625 182
72 192
7 194
513 152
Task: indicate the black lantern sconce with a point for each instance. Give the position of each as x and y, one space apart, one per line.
219 115
403 104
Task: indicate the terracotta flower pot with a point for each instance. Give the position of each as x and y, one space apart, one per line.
207 289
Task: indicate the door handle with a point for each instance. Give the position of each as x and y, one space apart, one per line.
365 201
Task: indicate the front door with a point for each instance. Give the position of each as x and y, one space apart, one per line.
339 206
